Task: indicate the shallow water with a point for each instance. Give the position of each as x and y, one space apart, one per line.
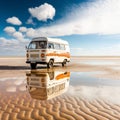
100 62
59 95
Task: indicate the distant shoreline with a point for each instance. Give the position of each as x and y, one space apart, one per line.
71 56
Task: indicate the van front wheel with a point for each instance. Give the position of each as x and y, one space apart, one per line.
64 63
33 65
50 64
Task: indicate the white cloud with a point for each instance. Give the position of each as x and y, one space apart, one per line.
14 21
43 12
6 42
19 82
18 35
98 17
17 47
30 21
13 46
22 88
22 29
96 92
11 89
31 32
103 51
9 30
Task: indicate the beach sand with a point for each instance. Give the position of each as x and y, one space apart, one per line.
90 94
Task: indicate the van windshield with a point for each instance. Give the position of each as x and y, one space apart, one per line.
37 45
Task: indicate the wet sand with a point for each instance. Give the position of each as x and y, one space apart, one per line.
87 97
110 66
21 106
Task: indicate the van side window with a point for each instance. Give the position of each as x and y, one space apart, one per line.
57 46
62 47
50 46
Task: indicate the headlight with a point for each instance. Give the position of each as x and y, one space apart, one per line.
42 55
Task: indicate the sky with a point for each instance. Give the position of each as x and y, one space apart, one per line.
91 27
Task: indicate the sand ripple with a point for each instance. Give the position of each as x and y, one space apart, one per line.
23 107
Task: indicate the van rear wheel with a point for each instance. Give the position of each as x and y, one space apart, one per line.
64 63
50 64
33 65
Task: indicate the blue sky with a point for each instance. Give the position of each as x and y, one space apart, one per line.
91 27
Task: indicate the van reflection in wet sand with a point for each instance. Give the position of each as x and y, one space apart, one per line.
47 85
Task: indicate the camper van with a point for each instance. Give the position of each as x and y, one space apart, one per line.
47 85
44 50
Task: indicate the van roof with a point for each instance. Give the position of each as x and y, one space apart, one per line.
50 39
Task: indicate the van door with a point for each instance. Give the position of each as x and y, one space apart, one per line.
51 54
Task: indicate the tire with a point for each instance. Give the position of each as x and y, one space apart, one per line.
50 64
33 65
64 63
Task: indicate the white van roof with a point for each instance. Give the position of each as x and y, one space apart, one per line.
56 40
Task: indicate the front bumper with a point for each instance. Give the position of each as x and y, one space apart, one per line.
29 62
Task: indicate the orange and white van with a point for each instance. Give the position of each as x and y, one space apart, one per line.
47 85
44 50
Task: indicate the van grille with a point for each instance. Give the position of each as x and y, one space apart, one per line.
34 79
36 84
34 55
34 50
